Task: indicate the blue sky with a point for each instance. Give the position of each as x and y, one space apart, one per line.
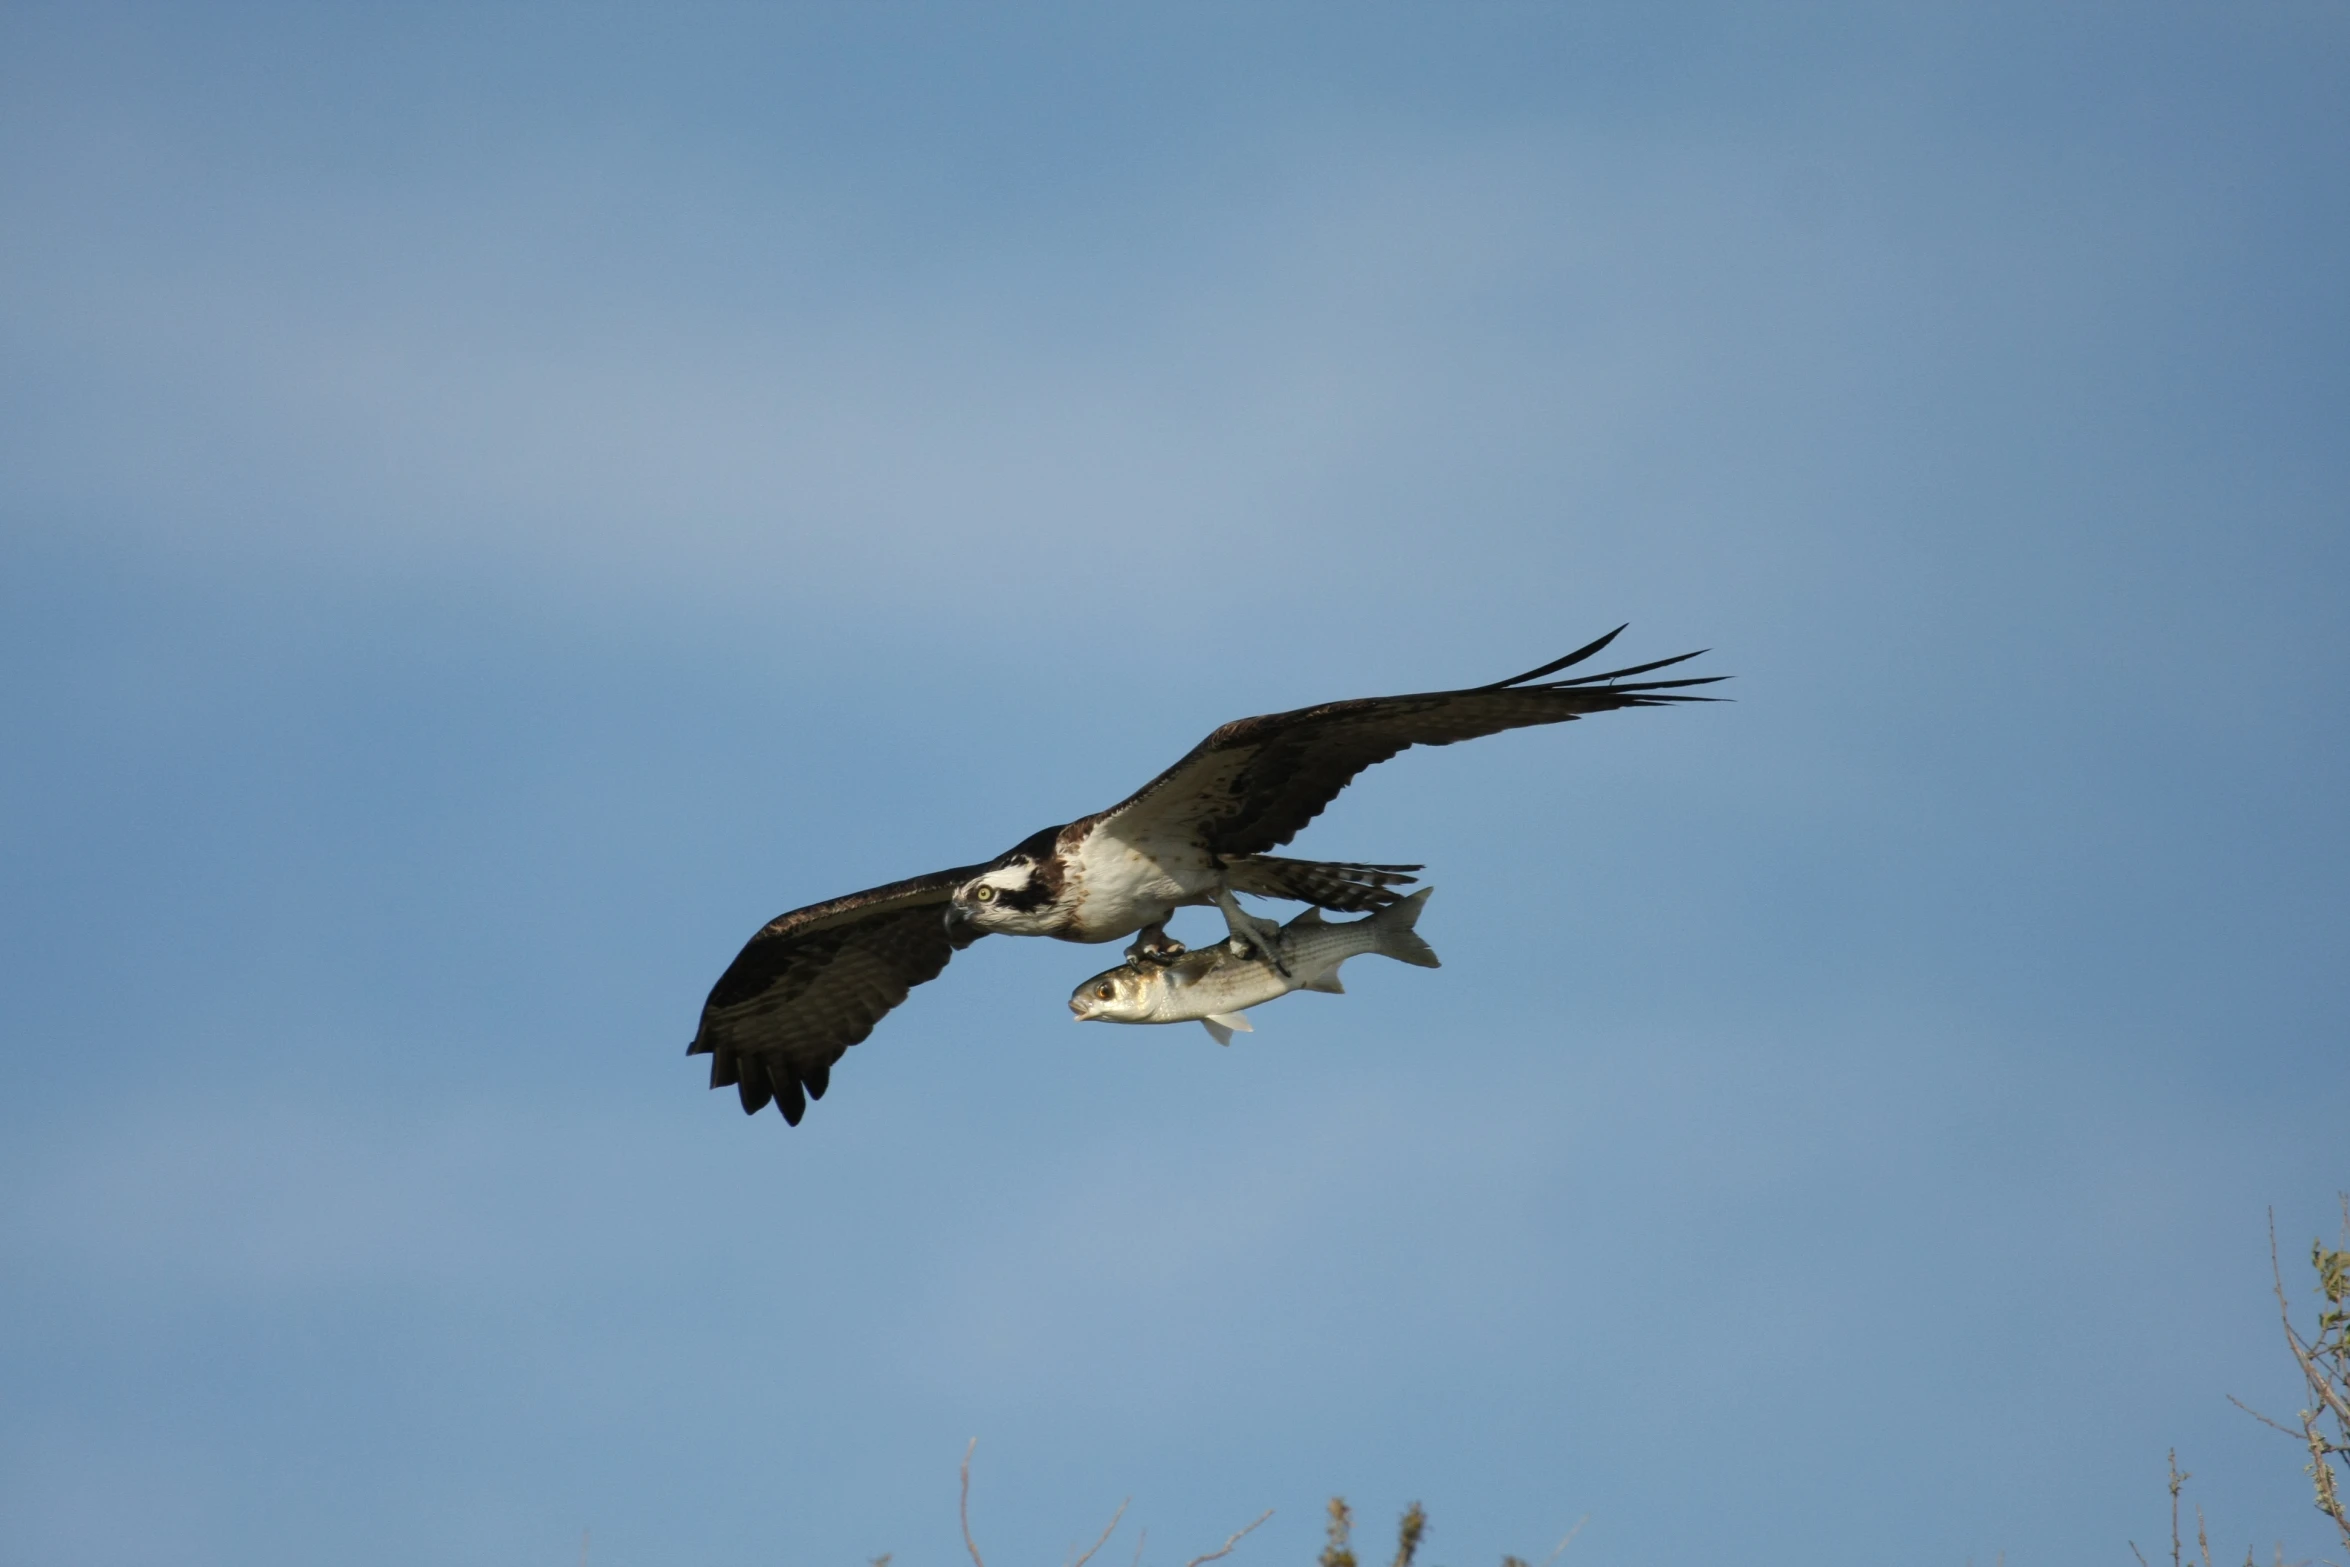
496 504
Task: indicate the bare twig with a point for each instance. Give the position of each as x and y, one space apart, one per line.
1226 1548
968 1543
2177 1481
2278 1425
1106 1533
1569 1540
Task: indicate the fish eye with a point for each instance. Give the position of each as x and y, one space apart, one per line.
1104 992
984 894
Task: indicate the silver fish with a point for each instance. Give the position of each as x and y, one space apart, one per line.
1214 985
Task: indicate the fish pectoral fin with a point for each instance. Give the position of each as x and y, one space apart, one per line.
1216 1031
1328 982
1232 1022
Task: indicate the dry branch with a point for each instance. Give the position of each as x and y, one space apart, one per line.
1106 1533
963 1511
969 1544
1547 1561
1225 1549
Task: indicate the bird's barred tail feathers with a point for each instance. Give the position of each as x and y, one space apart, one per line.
1341 885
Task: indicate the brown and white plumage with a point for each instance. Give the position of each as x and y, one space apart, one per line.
814 981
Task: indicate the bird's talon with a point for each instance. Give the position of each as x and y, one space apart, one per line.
1162 950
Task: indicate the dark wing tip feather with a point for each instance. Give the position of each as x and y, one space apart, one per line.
786 1008
1557 664
1668 685
1660 694
1635 669
773 1081
1255 783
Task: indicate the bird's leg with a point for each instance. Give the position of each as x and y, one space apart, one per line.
1154 945
1263 936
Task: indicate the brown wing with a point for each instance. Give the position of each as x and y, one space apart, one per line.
1255 783
813 982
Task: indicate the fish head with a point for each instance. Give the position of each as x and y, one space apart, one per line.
1120 995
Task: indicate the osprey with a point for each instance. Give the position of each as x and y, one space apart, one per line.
814 981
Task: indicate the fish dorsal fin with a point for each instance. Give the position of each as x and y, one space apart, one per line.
1328 982
1216 1031
1312 916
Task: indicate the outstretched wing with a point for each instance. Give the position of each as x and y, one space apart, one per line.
1255 783
813 982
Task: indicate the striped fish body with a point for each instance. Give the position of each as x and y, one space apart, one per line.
1214 985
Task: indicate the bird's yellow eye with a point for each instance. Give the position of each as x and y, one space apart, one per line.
1104 992
985 894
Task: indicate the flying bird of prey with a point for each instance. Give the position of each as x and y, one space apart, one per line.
814 981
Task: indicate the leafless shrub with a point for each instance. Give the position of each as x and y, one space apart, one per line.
2178 1482
971 1545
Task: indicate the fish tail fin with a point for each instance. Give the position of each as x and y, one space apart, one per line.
1396 938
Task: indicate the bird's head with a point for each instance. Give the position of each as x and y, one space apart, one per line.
1017 893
